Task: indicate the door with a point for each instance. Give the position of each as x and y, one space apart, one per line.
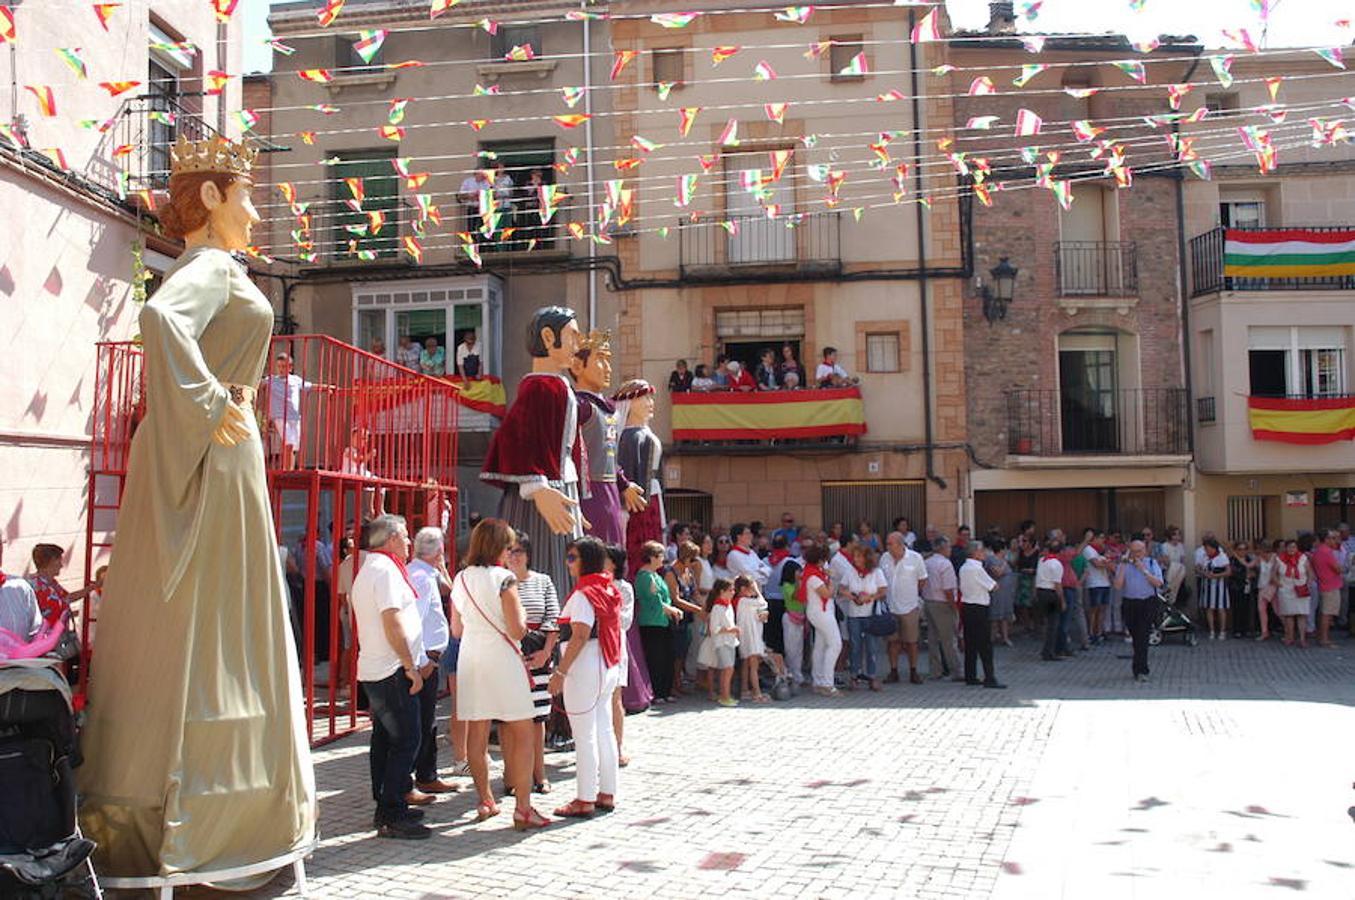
877 502
1086 265
1087 400
754 238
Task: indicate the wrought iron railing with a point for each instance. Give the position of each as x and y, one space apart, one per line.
810 242
1207 267
1205 412
143 132
1135 422
1096 268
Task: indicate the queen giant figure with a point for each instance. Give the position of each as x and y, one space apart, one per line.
195 750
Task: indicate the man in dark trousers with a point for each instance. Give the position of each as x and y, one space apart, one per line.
1137 579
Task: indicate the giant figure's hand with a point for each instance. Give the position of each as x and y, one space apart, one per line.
557 509
234 426
634 498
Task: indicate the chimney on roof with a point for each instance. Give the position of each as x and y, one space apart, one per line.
1002 17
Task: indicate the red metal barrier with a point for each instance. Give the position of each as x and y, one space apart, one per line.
345 434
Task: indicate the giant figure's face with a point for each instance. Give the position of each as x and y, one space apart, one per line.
232 216
594 375
569 344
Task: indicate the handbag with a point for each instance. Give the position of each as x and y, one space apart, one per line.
881 622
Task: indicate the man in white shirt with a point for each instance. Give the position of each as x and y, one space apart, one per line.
905 570
392 666
469 195
975 584
742 560
839 571
939 604
1049 597
468 356
426 572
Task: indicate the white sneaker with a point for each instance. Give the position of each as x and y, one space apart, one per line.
1223 635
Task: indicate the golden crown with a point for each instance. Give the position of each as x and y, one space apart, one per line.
599 342
212 155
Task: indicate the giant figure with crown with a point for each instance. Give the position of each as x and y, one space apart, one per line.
196 758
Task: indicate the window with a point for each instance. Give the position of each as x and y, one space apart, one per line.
762 323
1088 393
162 88
1242 213
1219 103
882 352
1300 361
757 239
840 55
443 311
377 226
510 36
520 160
668 65
1246 518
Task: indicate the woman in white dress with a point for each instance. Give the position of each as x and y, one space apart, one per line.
1294 572
587 677
492 679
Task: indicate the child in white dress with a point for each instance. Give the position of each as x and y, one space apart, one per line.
722 637
751 614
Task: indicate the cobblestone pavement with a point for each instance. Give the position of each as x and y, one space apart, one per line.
1227 776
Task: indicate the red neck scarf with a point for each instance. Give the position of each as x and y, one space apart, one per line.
863 572
404 570
739 548
1291 564
720 601
602 594
777 556
802 589
3 578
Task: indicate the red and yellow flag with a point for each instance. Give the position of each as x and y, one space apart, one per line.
833 412
1320 420
8 34
46 99
118 87
105 12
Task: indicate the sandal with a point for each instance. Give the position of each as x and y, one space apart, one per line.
531 820
576 809
605 803
486 810
761 698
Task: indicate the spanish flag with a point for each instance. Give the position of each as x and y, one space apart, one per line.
1320 420
1288 253
765 415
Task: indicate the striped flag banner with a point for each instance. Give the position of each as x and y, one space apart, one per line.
832 412
1289 253
1321 420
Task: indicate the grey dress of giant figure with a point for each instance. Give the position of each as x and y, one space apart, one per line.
196 757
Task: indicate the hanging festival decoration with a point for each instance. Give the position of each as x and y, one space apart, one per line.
776 112
214 82
1133 68
621 60
686 116
664 88
369 42
329 13
1222 66
764 72
730 136
395 113
1331 55
981 86
1027 123
71 57
224 9
572 95
1028 71
319 76
46 99
856 66
571 120
927 29
817 49
674 20
720 54
391 132
281 46
8 33
796 15
438 7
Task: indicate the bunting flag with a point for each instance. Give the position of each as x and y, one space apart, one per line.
356 188
281 47
169 118
720 54
369 42
95 125
1063 192
707 161
796 15
115 88
215 82
1133 68
549 197
58 158
572 95
576 230
621 60
674 20
981 86
407 64
1027 123
763 71
1289 253
477 124
428 211
1028 72
1242 36
324 108
330 12
8 33
1273 85
857 66
1034 43
376 219
817 49
686 116
391 132
1084 131
776 112
122 150
572 120
395 114
1175 92
581 15
246 119
46 99
686 189
1081 93
665 88
224 9
982 122
473 254
889 96
319 76
1222 66
488 25
730 136
626 164
780 159
71 57
1320 420
520 53
288 192
1030 10
1331 55
105 12
927 29
412 247
438 7
643 145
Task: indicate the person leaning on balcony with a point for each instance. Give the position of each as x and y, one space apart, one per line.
739 379
433 358
702 382
680 379
789 365
830 374
469 195
767 376
407 353
468 355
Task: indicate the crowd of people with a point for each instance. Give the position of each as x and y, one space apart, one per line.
772 373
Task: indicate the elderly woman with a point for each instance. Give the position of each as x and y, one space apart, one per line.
542 607
587 676
426 572
492 680
433 359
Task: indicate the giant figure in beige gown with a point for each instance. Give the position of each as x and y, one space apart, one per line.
195 753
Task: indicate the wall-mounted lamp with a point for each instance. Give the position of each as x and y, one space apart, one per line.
997 296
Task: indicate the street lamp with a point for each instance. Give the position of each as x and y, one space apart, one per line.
997 296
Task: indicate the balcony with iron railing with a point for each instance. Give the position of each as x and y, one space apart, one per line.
750 245
1124 422
1208 263
1096 268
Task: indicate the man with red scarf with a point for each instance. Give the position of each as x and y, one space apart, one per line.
392 667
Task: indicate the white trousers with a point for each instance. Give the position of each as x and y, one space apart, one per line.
794 635
588 701
827 642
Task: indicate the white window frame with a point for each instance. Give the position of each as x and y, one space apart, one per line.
1294 354
484 292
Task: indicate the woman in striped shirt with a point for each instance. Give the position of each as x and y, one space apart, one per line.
542 606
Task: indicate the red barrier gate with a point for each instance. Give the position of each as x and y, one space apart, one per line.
345 434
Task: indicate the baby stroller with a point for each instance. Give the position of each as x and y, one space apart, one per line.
1171 621
42 853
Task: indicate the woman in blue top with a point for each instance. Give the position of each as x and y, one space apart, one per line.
433 359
